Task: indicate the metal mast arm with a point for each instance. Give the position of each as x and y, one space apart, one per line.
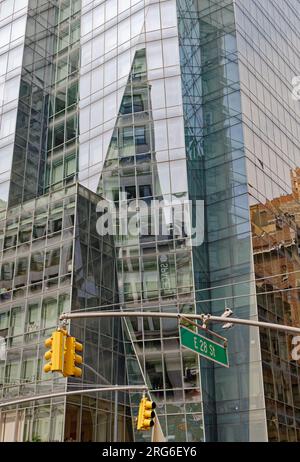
205 318
136 388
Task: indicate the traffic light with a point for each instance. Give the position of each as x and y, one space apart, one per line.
146 414
72 359
55 355
62 354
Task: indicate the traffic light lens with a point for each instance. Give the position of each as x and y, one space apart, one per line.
78 359
78 346
150 405
77 372
48 342
149 414
148 424
48 355
47 368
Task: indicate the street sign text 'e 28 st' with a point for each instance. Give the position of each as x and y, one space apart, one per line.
204 347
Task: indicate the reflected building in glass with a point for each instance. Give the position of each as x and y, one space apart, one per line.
150 104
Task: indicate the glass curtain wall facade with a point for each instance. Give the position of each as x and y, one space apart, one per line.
28 162
155 271
58 264
269 58
132 147
234 399
63 125
52 258
209 39
150 104
13 16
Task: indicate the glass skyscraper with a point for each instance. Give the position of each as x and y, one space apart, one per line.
149 104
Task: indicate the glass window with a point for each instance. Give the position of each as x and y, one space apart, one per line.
63 303
140 135
6 158
16 321
139 65
65 9
138 103
49 312
86 23
73 61
12 372
55 221
33 317
126 107
40 226
71 127
73 94
29 362
15 58
57 172
52 262
154 370
11 91
4 318
7 274
66 258
130 192
18 28
98 16
36 267
6 8
60 101
63 40
59 132
4 189
70 166
20 4
126 143
75 29
8 123
25 231
22 266
62 69
3 63
41 424
5 35
145 190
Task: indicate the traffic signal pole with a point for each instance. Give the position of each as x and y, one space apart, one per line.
205 318
137 388
116 416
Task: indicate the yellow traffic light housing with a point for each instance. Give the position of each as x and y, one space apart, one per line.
72 359
62 354
146 414
55 355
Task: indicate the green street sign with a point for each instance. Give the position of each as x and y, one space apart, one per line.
204 347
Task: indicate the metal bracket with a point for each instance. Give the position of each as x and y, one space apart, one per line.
205 320
63 324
